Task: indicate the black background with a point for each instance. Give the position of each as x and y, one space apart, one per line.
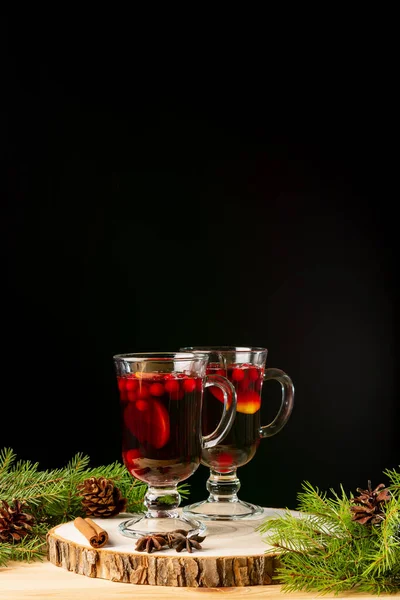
161 199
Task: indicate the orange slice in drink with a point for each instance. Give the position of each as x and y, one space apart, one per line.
149 424
248 402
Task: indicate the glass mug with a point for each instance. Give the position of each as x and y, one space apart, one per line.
245 369
161 397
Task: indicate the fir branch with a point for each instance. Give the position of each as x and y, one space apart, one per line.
184 490
331 512
324 549
385 551
394 478
7 457
31 549
52 496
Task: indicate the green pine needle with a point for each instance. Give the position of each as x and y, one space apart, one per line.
52 496
323 550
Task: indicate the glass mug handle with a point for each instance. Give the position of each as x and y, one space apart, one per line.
229 410
287 401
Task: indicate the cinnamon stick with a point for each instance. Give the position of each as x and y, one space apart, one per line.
96 536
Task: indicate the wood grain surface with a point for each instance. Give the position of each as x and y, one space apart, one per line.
44 581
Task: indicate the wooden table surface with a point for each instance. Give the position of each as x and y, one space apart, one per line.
22 581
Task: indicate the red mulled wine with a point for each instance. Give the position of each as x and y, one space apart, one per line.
241 443
161 441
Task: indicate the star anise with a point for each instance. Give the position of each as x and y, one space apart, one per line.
174 537
148 543
189 543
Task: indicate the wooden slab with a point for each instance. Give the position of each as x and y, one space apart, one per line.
233 554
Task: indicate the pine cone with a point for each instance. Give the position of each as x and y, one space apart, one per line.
369 504
101 498
14 523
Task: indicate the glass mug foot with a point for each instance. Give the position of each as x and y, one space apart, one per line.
158 518
223 510
140 525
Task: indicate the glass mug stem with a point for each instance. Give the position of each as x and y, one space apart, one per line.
223 487
223 502
162 502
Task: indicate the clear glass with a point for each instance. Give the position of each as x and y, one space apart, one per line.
161 397
245 369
